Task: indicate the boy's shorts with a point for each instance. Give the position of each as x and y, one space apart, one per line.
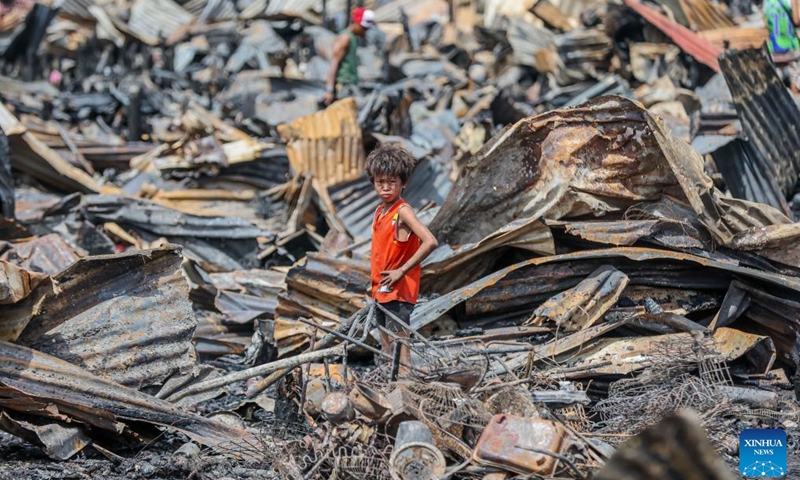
401 310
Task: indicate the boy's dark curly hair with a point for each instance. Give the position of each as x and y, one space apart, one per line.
389 159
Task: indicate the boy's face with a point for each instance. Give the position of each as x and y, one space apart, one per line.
388 187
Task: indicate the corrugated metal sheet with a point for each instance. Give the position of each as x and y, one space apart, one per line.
308 10
152 20
772 315
699 48
498 289
125 317
416 10
328 143
747 176
573 8
48 254
7 197
17 283
79 8
59 442
556 166
209 11
321 288
480 204
355 203
32 156
215 336
241 308
582 306
276 8
32 382
621 232
770 117
698 14
151 217
736 37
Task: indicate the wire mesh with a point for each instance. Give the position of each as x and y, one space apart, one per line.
667 384
367 463
450 414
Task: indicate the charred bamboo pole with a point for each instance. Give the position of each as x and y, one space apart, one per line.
285 364
323 342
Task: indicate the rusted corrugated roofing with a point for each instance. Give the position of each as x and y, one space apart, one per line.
770 117
308 10
736 37
490 289
126 317
698 14
321 288
17 283
699 48
416 10
41 385
153 20
32 156
747 176
328 143
553 166
48 254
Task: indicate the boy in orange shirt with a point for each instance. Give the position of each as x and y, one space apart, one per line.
400 242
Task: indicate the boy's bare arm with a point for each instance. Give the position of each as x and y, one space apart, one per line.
428 244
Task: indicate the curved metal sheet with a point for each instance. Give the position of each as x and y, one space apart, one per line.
30 380
126 317
430 311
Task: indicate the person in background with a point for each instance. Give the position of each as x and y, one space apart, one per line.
782 17
400 242
342 78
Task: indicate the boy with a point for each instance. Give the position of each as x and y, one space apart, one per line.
400 242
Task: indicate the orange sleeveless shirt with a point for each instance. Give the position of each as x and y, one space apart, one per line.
389 253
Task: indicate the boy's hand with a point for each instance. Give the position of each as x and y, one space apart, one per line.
391 277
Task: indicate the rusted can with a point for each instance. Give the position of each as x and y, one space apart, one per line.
415 457
368 402
507 442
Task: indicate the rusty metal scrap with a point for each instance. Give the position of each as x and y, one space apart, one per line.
563 180
126 317
328 143
186 229
582 306
698 14
32 380
321 288
17 283
560 155
521 445
693 44
772 314
627 356
48 254
757 91
491 288
677 445
59 442
32 156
